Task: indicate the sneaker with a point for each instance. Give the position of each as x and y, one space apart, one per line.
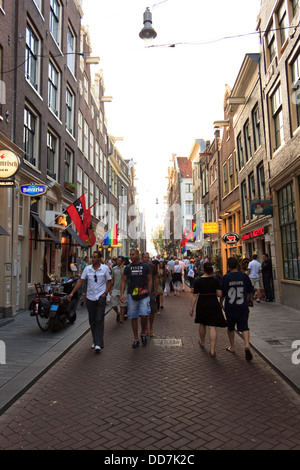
258 301
121 323
144 339
97 349
136 344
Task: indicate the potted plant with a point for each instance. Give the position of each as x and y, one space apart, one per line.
70 186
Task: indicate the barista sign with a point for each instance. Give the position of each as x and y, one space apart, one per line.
9 165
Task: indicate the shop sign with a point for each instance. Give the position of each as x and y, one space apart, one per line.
210 227
231 238
254 234
9 164
33 189
261 207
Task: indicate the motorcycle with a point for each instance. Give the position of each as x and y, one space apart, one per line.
53 309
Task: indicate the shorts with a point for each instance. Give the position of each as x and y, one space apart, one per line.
136 308
115 299
240 319
255 282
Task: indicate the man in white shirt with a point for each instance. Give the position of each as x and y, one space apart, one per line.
254 270
98 285
183 270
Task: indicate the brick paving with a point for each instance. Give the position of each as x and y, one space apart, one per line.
159 397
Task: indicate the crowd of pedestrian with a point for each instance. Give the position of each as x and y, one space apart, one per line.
136 287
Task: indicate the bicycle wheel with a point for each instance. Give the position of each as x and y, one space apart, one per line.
43 322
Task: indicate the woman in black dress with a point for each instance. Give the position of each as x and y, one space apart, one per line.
207 291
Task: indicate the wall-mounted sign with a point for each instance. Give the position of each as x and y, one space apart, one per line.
9 164
261 207
231 238
255 233
56 220
210 227
33 189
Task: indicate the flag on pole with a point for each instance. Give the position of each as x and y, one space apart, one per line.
195 232
184 241
111 237
81 216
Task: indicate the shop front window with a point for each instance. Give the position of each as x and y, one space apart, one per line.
289 236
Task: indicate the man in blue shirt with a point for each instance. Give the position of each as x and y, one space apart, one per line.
236 286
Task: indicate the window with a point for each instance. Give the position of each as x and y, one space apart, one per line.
288 229
86 187
248 152
231 173
283 23
79 181
92 144
261 181
271 44
295 6
71 50
189 207
256 127
97 157
86 140
97 206
70 105
188 188
86 89
277 117
101 163
38 4
92 198
240 151
68 165
32 59
104 169
52 156
55 21
244 202
295 78
225 179
53 89
30 136
251 185
80 131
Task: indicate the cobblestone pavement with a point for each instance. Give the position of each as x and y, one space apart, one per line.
168 395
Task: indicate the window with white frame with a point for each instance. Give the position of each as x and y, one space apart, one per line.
86 140
189 207
92 197
32 58
55 20
79 181
52 155
70 106
86 89
71 50
53 88
97 157
97 198
86 187
104 169
101 163
231 175
80 131
277 118
225 179
295 6
92 146
31 136
251 185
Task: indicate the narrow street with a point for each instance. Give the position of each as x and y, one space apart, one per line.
168 395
